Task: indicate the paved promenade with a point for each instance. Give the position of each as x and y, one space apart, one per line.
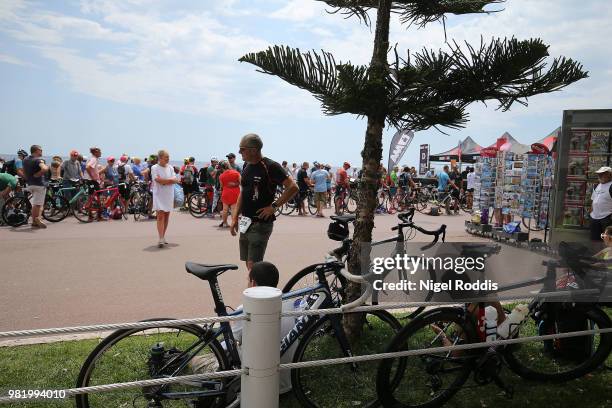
108 272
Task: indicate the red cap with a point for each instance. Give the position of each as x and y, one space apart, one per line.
123 158
110 158
347 164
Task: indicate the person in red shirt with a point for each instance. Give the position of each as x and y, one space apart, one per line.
342 183
230 189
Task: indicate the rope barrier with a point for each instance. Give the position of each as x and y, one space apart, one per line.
315 363
409 353
137 384
118 326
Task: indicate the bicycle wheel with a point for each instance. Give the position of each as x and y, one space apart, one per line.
16 211
540 361
56 208
289 206
534 224
198 205
351 203
85 210
307 278
128 355
312 206
427 380
352 383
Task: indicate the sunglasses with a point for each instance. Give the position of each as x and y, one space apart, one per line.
243 148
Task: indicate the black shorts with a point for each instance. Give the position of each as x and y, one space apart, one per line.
340 191
455 193
599 226
302 195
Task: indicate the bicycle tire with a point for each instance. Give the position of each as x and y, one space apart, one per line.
533 227
520 357
307 278
198 205
83 209
93 360
19 204
387 386
312 206
56 208
318 336
351 204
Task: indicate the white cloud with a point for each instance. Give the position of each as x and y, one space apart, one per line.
10 59
299 10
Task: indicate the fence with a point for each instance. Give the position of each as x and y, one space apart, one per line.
260 350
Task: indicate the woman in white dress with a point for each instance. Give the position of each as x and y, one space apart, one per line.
164 178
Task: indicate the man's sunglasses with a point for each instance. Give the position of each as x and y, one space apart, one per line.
242 148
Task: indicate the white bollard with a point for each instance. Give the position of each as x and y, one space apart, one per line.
261 347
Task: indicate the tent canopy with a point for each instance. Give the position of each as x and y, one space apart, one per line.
550 140
468 149
510 144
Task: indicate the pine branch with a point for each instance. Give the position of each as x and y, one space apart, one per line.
341 88
507 71
420 12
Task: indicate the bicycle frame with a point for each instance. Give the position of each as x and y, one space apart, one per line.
319 297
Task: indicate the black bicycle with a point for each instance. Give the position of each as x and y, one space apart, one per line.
165 352
339 231
431 379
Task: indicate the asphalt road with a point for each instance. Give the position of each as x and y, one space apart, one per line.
107 272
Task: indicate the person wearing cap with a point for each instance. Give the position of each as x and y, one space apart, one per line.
342 185
110 171
124 170
231 159
601 207
303 183
137 168
256 203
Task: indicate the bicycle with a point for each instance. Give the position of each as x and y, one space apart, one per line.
406 230
56 207
98 201
141 201
345 199
165 352
17 208
435 377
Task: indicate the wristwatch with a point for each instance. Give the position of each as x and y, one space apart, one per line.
274 205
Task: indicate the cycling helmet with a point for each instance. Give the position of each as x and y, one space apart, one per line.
21 153
338 231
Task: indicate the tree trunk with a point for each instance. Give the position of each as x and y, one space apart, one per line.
371 155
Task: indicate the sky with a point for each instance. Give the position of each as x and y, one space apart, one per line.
135 76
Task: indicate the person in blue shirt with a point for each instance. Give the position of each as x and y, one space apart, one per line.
443 180
137 168
319 177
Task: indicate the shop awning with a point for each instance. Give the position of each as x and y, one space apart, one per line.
507 143
468 149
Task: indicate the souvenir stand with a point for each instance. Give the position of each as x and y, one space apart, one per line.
508 194
485 170
583 147
536 182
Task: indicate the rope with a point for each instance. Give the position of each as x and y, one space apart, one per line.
408 353
137 384
117 326
317 363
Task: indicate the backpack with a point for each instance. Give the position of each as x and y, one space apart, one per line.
122 172
10 167
188 175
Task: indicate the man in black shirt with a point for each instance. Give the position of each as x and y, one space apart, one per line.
256 206
34 169
303 183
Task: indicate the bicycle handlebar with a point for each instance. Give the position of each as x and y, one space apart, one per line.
406 216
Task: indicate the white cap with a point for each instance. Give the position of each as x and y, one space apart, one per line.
604 169
212 159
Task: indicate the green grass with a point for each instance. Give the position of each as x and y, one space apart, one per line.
56 366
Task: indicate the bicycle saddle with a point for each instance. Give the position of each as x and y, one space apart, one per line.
343 218
207 272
